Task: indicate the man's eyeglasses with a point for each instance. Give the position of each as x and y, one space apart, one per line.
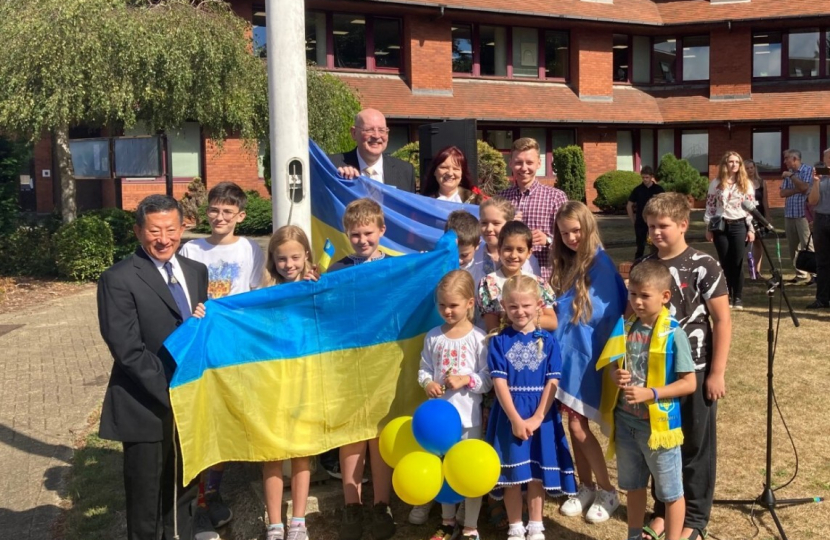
377 132
226 214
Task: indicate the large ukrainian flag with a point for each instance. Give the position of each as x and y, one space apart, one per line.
413 223
296 369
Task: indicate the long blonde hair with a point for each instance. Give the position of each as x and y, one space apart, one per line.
570 268
458 282
742 181
523 284
286 233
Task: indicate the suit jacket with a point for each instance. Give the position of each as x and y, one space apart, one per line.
396 172
136 313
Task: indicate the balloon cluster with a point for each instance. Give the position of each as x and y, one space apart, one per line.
414 446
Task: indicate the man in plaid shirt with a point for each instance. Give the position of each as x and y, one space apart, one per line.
797 181
536 205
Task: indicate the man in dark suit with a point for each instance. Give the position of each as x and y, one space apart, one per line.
372 136
142 300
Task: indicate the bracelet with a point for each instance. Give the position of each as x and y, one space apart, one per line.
472 384
654 391
426 383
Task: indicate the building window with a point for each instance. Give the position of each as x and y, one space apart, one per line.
807 140
398 137
647 148
556 54
622 57
665 143
803 53
766 150
664 65
641 59
342 40
625 150
462 48
517 52
502 138
766 54
694 147
696 58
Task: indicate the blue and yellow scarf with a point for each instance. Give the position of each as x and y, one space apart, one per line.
664 414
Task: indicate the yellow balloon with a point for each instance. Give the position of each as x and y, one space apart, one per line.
472 468
418 478
397 440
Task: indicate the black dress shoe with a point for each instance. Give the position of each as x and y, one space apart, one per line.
818 304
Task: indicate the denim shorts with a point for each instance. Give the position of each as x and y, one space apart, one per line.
636 461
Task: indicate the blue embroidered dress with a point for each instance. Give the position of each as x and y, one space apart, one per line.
545 456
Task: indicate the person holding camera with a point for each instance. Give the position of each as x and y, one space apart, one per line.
819 199
728 225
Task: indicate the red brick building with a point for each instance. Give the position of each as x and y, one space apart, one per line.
626 80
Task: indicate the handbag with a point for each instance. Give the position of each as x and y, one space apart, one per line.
806 260
716 224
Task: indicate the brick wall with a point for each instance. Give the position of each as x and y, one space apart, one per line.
599 145
232 163
592 63
428 56
722 141
730 62
133 191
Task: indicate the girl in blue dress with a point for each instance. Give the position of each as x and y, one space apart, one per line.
524 427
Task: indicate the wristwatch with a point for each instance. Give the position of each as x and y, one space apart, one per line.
548 240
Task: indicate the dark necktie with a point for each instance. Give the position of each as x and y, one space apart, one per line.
177 291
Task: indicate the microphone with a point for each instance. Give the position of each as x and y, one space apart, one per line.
750 207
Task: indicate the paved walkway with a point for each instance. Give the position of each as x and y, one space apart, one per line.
54 368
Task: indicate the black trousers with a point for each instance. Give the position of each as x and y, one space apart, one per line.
148 480
699 454
821 243
731 247
641 232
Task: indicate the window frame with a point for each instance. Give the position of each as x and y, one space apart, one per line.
516 129
630 51
823 134
677 145
678 63
369 19
475 29
823 67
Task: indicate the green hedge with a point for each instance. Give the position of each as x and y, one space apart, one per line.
121 224
569 164
83 248
258 217
27 251
679 176
613 189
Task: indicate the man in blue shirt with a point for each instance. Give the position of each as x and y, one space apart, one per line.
797 181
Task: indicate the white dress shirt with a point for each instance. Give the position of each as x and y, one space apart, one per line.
177 273
377 168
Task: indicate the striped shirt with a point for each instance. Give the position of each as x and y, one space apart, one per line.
538 205
794 204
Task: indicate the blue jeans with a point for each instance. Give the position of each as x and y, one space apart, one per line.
636 461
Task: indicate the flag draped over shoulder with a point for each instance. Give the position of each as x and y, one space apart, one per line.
296 369
581 386
414 223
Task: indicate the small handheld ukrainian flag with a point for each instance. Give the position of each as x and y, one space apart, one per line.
325 259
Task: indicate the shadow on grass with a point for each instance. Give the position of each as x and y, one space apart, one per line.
95 492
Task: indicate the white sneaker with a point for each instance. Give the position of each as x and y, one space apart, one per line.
420 514
576 504
604 505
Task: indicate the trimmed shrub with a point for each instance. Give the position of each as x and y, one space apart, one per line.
569 164
492 170
679 176
83 248
193 200
258 216
411 153
27 251
613 189
121 223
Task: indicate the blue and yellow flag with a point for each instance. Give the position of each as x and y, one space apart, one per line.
296 369
414 223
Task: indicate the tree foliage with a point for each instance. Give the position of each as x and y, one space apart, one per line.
680 176
117 62
569 164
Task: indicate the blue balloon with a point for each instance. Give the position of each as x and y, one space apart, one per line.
447 495
436 425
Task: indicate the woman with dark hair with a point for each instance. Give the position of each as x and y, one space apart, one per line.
760 201
449 179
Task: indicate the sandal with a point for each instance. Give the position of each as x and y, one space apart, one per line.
498 514
650 534
702 534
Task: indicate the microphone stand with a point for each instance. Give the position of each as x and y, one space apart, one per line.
767 498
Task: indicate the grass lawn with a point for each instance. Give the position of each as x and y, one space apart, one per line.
96 494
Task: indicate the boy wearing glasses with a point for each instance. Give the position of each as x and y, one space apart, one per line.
368 159
235 266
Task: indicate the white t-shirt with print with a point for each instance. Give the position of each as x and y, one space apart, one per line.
232 268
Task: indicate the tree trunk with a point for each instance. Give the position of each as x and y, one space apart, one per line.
65 174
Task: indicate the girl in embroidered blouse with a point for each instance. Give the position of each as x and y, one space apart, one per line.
730 226
524 427
454 368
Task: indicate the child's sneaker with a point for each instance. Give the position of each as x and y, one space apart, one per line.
536 536
297 533
604 505
351 525
576 504
516 532
470 536
420 514
444 532
218 511
383 524
275 533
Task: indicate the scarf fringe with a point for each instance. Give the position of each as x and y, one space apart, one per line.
665 439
